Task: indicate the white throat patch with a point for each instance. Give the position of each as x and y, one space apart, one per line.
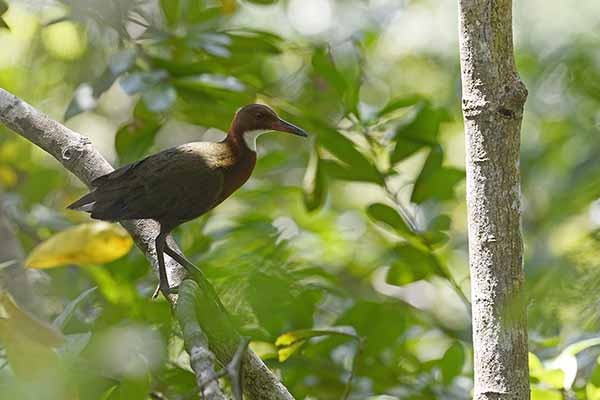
250 137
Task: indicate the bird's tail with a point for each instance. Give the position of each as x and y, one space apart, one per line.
86 203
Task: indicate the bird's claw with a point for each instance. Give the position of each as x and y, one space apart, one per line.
166 290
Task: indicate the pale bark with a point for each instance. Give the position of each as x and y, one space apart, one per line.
493 100
76 153
196 343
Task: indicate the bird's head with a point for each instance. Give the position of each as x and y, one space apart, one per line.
255 119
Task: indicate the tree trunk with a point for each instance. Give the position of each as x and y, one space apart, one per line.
493 99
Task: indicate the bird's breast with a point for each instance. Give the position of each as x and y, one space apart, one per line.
235 175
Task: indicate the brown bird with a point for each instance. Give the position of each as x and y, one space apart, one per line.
181 183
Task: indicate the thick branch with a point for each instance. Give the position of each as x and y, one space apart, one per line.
493 99
224 341
196 344
76 154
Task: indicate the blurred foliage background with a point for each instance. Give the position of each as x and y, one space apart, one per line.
362 228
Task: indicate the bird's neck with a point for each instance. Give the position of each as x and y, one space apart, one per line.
244 141
240 167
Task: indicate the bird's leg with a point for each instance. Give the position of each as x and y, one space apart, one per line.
195 272
163 285
180 258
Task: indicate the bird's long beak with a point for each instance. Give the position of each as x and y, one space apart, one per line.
284 126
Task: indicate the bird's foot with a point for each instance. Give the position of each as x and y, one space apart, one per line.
156 292
166 291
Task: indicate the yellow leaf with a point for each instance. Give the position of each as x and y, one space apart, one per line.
290 342
228 6
286 352
92 243
8 177
291 337
264 350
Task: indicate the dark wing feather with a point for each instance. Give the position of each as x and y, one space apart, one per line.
174 185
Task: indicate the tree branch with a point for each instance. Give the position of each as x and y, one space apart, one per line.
259 382
196 343
76 153
493 100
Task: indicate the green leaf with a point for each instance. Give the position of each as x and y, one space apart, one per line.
592 388
405 148
65 316
290 342
171 10
398 103
74 345
578 347
87 95
314 183
210 81
108 393
323 64
335 170
122 61
3 9
134 139
418 130
452 362
160 97
550 376
410 264
17 323
435 181
545 394
372 322
440 223
435 234
534 363
83 100
358 166
566 361
140 81
262 2
387 215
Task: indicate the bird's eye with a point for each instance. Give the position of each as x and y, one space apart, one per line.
259 115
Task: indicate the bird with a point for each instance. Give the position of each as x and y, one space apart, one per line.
181 183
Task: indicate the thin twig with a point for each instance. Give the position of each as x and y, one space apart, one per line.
359 350
233 370
442 269
138 22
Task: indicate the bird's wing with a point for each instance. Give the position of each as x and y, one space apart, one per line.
176 184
